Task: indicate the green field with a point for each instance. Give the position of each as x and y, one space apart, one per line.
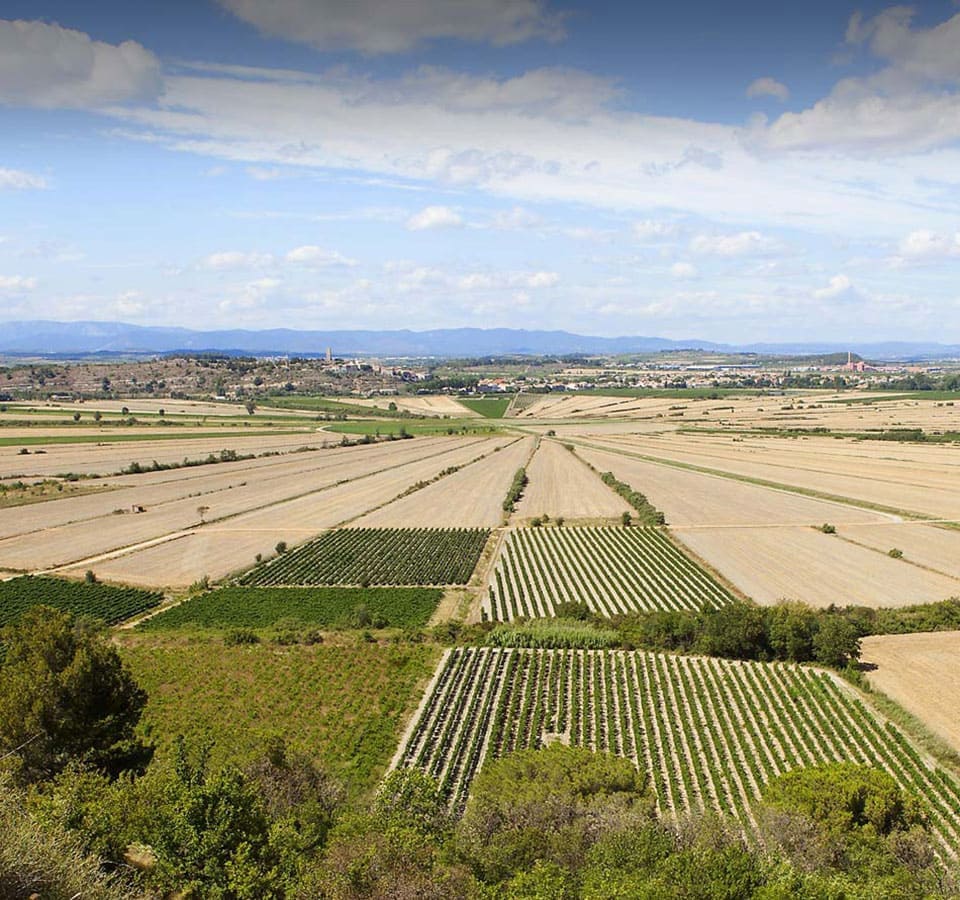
322 606
382 556
343 705
490 407
99 601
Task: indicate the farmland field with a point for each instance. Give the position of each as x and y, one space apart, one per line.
99 601
921 672
561 485
234 607
341 704
612 570
472 496
378 556
709 733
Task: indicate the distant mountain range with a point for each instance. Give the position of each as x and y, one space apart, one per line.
115 338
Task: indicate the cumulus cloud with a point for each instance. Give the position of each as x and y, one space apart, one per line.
744 243
235 259
17 284
651 230
373 26
310 255
12 179
929 245
541 279
913 103
840 289
768 87
431 217
49 66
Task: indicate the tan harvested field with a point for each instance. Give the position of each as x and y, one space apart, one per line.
108 458
802 409
215 485
692 498
221 548
560 484
914 478
922 673
763 540
263 495
438 406
771 564
146 406
927 546
471 497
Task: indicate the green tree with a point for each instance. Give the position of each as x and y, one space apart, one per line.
549 805
836 642
792 627
734 630
65 695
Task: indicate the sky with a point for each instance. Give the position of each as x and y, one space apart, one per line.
735 172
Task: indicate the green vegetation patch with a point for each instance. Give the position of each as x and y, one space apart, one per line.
99 601
342 705
323 606
553 634
419 427
489 407
386 556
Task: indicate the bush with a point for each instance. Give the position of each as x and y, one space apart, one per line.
240 636
827 528
895 553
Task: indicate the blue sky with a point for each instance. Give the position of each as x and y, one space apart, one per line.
730 172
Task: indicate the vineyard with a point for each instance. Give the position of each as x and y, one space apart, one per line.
368 556
266 607
612 570
709 732
99 601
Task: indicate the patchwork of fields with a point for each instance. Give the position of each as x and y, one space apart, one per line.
708 732
309 534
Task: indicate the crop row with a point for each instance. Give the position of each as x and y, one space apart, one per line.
612 570
368 556
99 601
243 607
708 732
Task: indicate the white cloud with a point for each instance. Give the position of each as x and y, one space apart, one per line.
17 284
912 104
434 217
652 230
607 158
542 280
768 87
840 289
744 243
310 255
13 179
928 245
516 219
50 66
373 26
684 270
235 259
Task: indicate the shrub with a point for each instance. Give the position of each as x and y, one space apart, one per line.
239 637
895 553
827 528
